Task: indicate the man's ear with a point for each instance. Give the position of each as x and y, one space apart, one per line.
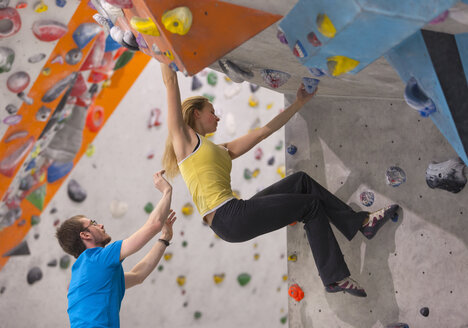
85 235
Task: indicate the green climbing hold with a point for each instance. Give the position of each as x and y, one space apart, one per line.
210 97
65 262
243 279
160 268
149 207
37 197
197 315
212 78
123 59
284 319
35 219
184 243
247 174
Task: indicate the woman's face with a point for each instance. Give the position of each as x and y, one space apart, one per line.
208 118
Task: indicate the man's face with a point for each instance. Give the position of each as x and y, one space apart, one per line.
99 235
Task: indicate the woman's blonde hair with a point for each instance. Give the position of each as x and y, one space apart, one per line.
169 160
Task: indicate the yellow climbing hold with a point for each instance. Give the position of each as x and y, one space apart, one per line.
256 256
178 20
292 258
218 278
144 26
40 7
181 280
90 150
187 209
167 256
46 71
269 106
106 83
325 26
285 277
36 151
42 177
281 171
253 101
338 65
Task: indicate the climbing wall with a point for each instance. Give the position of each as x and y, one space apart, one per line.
352 146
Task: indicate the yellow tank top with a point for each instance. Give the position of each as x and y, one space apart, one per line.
207 174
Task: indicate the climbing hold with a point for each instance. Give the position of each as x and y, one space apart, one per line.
299 50
40 7
209 96
178 20
281 36
417 99
255 173
42 113
184 243
118 208
395 176
20 249
35 219
76 191
58 59
187 209
325 26
160 267
284 319
34 274
243 279
271 160
60 3
232 90
58 88
12 119
167 256
26 183
279 145
90 150
96 54
253 101
18 81
197 315
212 78
84 33
310 84
141 41
95 118
312 38
247 174
256 256
25 98
4 4
274 78
424 311
57 171
123 60
292 149
218 278
338 65
16 135
292 258
127 4
37 196
130 41
316 71
446 175
154 119
296 292
144 26
7 56
149 207
234 72
73 56
196 83
46 71
281 171
12 159
367 198
65 261
258 153
36 58
253 87
397 325
11 216
11 109
49 30
181 280
440 19
10 22
52 263
459 14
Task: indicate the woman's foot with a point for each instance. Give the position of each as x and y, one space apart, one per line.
377 219
346 285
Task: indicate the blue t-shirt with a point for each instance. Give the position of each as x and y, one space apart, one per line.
97 288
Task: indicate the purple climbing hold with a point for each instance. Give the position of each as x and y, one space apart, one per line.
7 56
18 81
73 56
49 30
292 149
141 41
395 176
417 99
57 171
446 175
234 72
58 88
43 113
58 59
440 19
299 50
310 84
274 78
75 191
367 198
12 119
281 36
85 33
61 3
317 72
36 58
271 161
196 83
35 274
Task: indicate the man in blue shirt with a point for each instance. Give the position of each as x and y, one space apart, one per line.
98 281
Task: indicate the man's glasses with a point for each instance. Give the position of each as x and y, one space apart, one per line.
92 223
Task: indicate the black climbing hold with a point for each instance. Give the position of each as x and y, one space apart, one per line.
20 249
75 191
73 56
446 175
52 263
65 262
424 311
35 274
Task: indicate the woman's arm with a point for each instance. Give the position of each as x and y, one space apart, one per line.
241 145
182 135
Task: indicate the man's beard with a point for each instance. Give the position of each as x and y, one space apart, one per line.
105 241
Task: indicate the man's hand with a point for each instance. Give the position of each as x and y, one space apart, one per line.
160 182
166 233
302 96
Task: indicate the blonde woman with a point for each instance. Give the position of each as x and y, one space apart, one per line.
206 168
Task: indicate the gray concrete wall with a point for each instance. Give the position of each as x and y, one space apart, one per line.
421 260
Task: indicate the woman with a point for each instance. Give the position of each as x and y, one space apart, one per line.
206 168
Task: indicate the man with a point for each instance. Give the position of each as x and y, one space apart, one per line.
98 282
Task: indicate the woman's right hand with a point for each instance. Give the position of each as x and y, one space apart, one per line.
303 96
160 182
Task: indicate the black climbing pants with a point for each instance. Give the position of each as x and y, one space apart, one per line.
295 198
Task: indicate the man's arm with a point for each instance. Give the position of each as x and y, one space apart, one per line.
143 268
155 222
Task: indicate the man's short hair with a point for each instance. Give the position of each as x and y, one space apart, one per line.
68 235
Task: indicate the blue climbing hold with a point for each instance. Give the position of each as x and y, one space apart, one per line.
417 99
61 3
111 45
310 84
292 149
316 71
58 170
31 164
85 33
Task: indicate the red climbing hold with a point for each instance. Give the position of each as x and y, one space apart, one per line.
96 54
10 22
296 292
95 118
49 30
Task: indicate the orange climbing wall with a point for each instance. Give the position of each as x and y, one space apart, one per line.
108 98
218 27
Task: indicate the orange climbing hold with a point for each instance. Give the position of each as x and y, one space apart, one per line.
296 292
